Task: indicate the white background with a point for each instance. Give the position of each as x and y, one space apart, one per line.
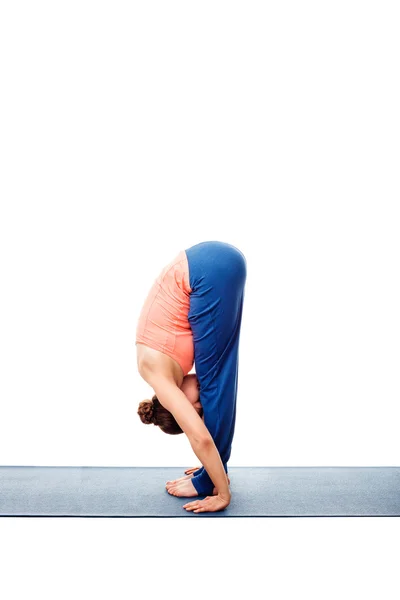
129 131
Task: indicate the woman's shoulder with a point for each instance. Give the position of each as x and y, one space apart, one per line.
151 361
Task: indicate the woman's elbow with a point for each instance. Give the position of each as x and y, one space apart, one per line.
201 441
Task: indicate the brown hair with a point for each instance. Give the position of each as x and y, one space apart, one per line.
152 411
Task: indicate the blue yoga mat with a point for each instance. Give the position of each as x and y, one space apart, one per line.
256 492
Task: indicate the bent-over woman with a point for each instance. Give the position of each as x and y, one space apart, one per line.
192 316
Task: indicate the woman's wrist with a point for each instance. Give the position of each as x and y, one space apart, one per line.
225 495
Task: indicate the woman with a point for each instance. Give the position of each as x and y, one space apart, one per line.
193 314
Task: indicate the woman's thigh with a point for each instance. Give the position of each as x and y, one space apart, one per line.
217 273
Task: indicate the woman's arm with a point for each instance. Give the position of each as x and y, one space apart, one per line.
174 400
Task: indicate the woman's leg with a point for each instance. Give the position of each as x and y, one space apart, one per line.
217 278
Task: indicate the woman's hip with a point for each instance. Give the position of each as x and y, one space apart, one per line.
216 265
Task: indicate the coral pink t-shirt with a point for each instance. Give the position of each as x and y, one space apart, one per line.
163 322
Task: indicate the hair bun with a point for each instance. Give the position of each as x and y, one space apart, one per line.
146 412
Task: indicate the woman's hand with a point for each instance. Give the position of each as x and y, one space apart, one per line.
192 470
209 504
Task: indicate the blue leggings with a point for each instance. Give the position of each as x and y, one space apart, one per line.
217 273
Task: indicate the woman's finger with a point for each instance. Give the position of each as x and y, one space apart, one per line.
191 470
191 505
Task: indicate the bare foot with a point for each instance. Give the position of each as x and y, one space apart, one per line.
174 481
183 488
